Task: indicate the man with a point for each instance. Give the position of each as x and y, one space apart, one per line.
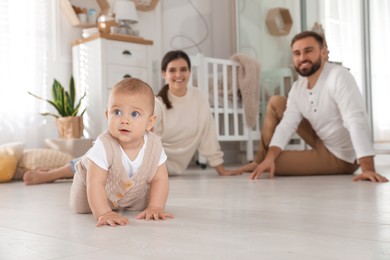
327 110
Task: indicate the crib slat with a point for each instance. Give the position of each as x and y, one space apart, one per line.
227 109
215 96
225 100
235 101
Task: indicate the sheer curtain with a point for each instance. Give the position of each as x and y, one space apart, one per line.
380 56
344 33
24 66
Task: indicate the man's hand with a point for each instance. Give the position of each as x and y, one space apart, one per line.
370 176
368 171
267 165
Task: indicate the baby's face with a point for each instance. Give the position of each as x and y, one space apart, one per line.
129 116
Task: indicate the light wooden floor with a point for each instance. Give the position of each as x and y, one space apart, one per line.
215 218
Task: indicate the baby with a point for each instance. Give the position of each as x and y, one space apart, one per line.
125 168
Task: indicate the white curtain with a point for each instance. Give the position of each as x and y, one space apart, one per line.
343 32
343 29
380 56
25 49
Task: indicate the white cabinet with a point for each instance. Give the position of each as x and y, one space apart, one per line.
99 63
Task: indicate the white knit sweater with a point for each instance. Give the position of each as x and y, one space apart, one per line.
186 128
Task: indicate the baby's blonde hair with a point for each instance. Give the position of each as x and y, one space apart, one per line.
135 86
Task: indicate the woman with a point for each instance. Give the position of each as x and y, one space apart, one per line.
184 123
184 120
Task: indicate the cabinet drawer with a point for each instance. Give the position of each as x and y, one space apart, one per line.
126 53
117 73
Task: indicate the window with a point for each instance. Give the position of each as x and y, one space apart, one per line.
344 32
380 74
24 52
342 23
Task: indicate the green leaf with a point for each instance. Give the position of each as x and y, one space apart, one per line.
62 100
72 90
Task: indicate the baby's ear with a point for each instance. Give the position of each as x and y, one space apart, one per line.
151 122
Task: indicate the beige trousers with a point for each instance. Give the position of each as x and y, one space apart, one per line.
78 200
316 161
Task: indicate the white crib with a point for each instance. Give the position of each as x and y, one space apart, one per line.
218 79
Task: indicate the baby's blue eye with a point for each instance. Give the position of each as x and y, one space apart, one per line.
134 114
117 112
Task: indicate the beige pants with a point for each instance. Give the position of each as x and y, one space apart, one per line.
316 161
78 200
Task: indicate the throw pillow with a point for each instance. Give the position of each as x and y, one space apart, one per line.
15 149
34 159
8 163
9 156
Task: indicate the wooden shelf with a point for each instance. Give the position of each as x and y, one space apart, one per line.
116 37
66 6
145 5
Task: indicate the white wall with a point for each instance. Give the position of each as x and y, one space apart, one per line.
193 25
198 26
254 38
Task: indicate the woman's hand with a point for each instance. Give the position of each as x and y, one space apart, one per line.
226 172
112 219
250 167
155 213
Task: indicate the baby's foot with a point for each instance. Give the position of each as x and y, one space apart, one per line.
37 176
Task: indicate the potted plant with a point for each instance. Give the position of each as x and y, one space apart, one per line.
69 123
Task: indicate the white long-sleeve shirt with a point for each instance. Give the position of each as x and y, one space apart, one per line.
335 109
186 128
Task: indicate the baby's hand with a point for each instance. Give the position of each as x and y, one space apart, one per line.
154 213
112 219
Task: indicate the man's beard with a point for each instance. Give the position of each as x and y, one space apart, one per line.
307 72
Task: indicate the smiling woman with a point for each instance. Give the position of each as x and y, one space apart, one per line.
24 51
